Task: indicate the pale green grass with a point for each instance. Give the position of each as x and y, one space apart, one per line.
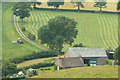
35 61
106 71
9 34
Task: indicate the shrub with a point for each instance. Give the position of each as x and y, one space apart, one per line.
8 68
23 29
31 36
78 45
35 55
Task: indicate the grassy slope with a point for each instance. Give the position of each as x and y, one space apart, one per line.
81 72
35 61
10 34
95 29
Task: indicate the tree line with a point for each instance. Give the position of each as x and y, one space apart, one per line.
22 9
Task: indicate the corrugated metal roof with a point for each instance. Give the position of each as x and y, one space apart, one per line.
87 51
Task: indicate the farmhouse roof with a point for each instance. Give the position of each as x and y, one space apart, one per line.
87 52
71 62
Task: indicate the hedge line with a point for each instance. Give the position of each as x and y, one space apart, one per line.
36 66
35 55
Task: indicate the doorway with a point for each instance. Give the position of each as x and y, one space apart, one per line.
87 61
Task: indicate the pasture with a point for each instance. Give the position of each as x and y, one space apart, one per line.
95 29
81 72
9 34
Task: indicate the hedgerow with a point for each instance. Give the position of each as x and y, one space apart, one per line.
35 55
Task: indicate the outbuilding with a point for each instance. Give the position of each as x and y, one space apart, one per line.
83 56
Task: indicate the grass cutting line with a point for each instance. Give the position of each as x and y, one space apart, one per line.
108 31
32 28
42 23
101 32
35 23
105 31
114 31
6 19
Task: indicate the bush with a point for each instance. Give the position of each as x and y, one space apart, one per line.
35 55
31 36
8 68
78 45
23 29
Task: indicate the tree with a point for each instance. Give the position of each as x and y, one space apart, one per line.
60 30
101 4
8 68
36 3
55 4
118 5
22 9
78 3
117 55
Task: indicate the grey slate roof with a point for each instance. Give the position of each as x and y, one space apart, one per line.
71 62
87 52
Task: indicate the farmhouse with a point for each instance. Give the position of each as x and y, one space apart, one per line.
82 56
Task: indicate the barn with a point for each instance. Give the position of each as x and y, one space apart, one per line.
83 56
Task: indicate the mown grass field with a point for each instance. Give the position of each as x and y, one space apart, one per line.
106 71
95 29
9 34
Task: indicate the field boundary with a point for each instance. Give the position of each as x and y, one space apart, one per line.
23 36
72 10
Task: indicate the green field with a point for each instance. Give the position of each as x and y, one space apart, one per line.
9 34
95 29
81 72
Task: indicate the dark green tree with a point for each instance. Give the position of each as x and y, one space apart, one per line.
8 68
78 3
60 30
117 55
100 4
118 5
22 9
36 3
55 4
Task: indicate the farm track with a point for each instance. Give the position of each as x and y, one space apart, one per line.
22 35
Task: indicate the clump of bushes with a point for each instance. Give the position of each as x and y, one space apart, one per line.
36 66
23 29
35 55
31 36
79 45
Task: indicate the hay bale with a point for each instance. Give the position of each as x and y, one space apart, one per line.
14 41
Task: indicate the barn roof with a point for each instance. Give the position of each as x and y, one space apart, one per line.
71 62
87 52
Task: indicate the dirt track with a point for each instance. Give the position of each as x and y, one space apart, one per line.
23 36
